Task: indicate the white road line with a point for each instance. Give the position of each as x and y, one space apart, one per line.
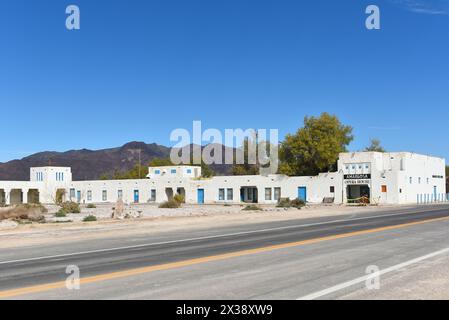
207 237
350 283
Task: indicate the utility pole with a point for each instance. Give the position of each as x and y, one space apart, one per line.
140 161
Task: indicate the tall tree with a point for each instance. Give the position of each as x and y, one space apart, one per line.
315 147
375 146
260 161
160 162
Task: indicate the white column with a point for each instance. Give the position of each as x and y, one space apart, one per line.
7 197
25 196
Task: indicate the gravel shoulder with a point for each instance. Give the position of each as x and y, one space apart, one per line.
153 220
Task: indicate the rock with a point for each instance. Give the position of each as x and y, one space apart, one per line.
118 209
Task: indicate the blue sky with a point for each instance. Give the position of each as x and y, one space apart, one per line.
139 69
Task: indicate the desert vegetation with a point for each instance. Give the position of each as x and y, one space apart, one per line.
30 212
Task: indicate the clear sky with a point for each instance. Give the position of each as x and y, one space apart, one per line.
139 69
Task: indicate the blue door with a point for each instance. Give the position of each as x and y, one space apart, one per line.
136 196
200 196
302 194
78 196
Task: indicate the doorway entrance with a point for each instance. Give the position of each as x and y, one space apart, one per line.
249 194
358 193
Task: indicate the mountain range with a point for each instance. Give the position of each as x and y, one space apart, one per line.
91 164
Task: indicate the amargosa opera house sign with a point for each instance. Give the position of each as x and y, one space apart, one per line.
357 178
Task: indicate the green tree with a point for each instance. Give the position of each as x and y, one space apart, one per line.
160 162
249 168
137 172
315 147
206 171
375 146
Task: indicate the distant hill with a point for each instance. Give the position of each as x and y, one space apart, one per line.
91 164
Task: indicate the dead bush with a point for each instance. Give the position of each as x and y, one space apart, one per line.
31 212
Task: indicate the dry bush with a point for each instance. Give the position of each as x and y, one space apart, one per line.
32 212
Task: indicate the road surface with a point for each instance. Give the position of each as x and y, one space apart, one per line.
317 258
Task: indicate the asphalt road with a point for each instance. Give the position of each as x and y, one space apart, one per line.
309 258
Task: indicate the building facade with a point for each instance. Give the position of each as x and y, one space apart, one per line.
381 178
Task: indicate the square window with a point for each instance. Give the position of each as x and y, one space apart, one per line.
157 171
230 194
268 194
189 171
173 171
221 194
153 195
277 194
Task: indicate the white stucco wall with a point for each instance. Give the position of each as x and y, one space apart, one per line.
388 171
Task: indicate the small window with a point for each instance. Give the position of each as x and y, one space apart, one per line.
173 171
419 180
230 194
189 171
119 194
157 171
89 195
332 189
72 194
104 195
277 194
221 194
153 195
411 180
384 188
268 194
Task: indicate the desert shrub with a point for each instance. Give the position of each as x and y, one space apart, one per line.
298 203
60 214
31 212
60 193
252 207
287 203
70 207
171 204
90 218
91 206
284 203
179 198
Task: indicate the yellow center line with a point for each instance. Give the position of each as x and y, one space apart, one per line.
173 265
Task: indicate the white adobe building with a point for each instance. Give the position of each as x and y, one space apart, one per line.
385 178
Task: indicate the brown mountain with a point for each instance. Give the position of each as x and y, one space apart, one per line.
91 164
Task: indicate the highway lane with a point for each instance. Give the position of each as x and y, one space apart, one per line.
29 272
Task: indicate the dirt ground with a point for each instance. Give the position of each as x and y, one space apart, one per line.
154 220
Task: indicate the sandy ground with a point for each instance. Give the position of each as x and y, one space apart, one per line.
154 220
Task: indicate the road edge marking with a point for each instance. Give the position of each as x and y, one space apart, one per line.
358 280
